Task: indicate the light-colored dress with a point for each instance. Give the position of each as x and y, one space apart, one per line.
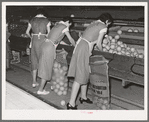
48 50
79 65
39 25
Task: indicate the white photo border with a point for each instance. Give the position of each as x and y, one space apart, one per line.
79 114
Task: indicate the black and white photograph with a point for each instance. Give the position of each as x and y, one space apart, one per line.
47 76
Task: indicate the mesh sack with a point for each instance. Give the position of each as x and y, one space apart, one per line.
59 78
61 57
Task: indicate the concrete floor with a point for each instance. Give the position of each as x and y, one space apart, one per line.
18 99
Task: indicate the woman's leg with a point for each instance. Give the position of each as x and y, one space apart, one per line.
83 97
74 92
43 82
41 88
34 75
84 91
33 58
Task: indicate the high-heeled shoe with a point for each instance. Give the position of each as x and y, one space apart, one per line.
71 107
87 100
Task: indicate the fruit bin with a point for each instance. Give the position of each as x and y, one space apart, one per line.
123 67
19 43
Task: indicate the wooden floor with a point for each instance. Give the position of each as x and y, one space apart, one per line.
18 99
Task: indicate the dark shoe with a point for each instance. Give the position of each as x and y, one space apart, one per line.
87 100
71 107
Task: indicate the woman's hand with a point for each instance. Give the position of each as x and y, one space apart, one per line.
73 42
28 51
97 48
70 38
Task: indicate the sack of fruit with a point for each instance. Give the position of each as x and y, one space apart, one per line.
61 57
100 91
59 78
99 82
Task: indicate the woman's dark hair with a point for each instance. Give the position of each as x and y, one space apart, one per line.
68 19
104 17
41 11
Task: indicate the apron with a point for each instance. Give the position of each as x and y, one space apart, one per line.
38 37
79 66
46 59
55 45
90 44
36 44
39 34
